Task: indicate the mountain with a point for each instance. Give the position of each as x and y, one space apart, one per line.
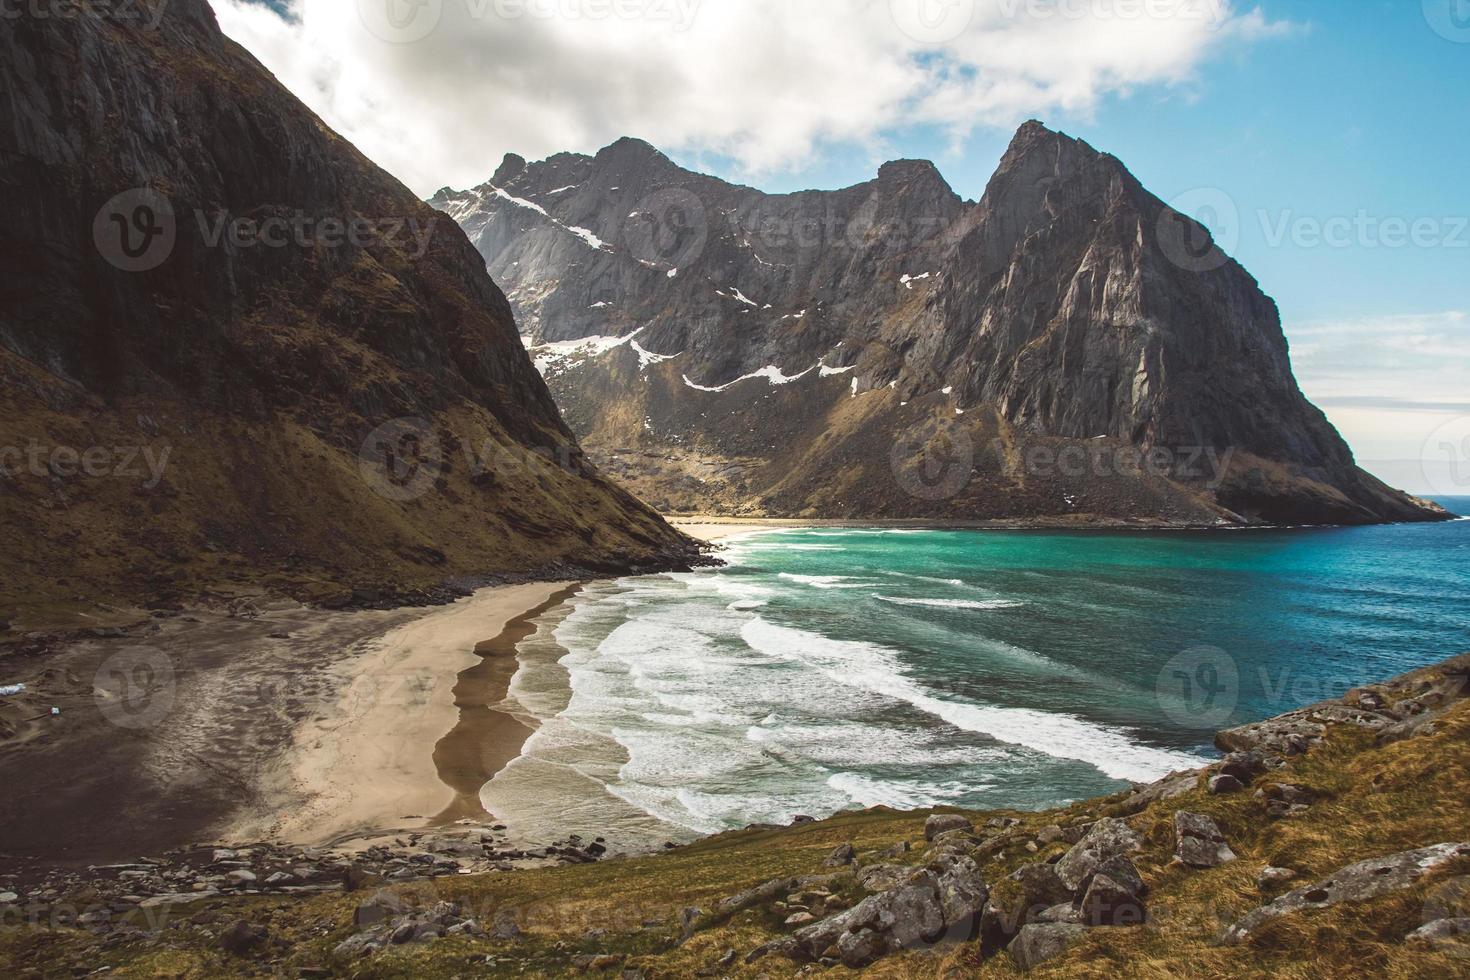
1066 350
237 355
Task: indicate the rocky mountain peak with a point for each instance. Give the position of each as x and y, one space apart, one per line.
628 152
511 167
827 326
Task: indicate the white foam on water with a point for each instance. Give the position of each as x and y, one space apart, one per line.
867 791
841 744
952 603
956 582
792 546
873 668
826 581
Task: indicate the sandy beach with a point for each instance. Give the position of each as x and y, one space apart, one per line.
419 706
719 528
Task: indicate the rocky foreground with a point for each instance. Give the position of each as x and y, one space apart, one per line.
1333 840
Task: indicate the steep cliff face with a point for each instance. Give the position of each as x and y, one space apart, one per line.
1067 349
287 370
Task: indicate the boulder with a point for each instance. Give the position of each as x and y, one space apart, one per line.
505 926
242 938
941 823
1244 766
841 857
1176 784
1198 841
1065 912
928 908
1221 784
1358 882
1039 942
1107 838
1455 931
1041 889
881 877
1109 902
379 908
858 949
1049 834
963 893
1288 793
1273 876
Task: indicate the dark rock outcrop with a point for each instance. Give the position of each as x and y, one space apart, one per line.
1039 942
285 367
1067 349
927 909
1198 841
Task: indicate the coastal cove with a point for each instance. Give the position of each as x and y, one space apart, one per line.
821 669
830 668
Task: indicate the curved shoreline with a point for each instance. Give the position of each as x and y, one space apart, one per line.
365 767
487 736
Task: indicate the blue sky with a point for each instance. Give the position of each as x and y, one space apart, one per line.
1365 107
1326 143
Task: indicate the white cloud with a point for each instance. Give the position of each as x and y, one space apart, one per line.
1392 385
769 83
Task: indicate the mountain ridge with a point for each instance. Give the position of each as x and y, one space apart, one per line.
1068 303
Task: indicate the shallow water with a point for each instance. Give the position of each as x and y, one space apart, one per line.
834 668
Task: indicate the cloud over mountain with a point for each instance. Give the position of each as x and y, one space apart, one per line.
768 83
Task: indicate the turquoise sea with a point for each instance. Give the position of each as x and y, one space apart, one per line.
842 667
